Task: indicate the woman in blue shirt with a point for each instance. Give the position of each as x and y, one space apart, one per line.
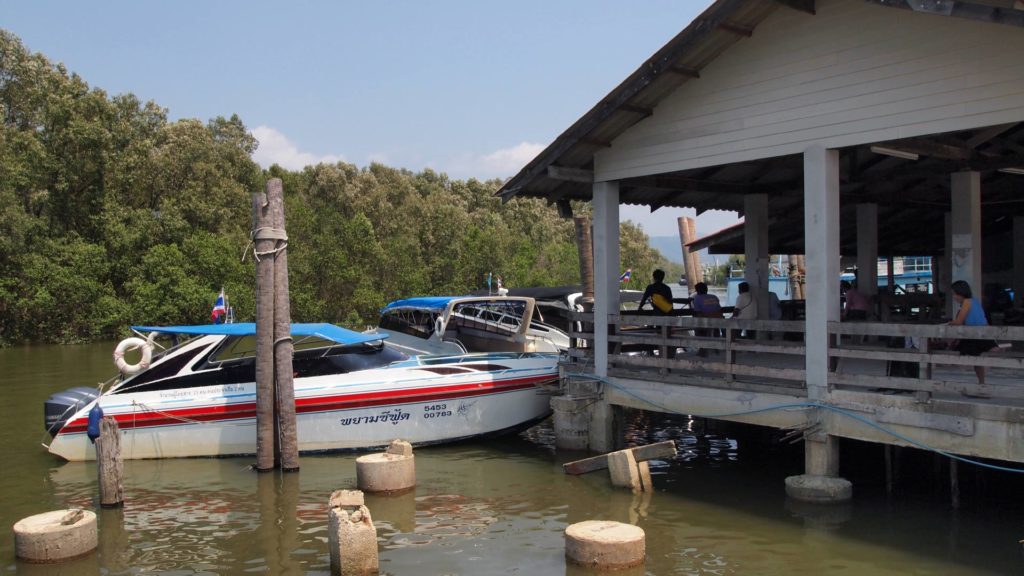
970 314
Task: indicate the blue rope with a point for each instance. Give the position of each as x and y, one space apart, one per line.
806 406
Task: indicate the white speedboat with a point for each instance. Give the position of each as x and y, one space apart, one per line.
469 324
352 391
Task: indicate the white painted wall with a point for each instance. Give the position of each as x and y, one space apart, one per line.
854 73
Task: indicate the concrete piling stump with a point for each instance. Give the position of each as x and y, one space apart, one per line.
605 545
55 536
818 489
571 422
351 536
391 471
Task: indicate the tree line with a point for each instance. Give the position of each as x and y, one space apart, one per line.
112 214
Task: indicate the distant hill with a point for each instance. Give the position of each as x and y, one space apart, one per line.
671 249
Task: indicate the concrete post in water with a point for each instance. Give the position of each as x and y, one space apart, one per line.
605 545
351 537
109 464
55 536
263 240
571 421
283 346
585 247
626 472
391 471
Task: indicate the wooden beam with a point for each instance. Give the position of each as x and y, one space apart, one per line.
925 147
642 110
736 29
987 134
571 174
595 142
683 71
799 5
640 453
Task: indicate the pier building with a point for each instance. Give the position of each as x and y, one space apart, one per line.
844 130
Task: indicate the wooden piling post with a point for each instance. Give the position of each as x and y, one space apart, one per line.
585 248
283 347
109 464
687 234
263 242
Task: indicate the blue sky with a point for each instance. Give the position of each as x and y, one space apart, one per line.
470 88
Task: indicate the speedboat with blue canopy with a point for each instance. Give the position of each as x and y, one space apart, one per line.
470 323
191 391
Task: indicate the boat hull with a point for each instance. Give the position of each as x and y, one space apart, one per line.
420 401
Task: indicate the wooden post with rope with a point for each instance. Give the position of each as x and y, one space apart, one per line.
263 246
284 349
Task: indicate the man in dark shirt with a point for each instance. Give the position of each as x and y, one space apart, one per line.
659 293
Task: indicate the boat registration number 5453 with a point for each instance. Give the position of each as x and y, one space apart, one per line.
436 411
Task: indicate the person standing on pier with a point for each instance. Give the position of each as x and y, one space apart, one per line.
970 314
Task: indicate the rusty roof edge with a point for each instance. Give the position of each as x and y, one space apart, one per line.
658 63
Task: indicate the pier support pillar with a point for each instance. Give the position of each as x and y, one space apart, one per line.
1018 260
867 249
820 482
821 228
966 224
821 237
606 268
755 249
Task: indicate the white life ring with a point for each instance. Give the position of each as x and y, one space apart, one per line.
131 344
439 327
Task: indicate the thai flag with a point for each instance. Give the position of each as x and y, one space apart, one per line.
627 275
219 309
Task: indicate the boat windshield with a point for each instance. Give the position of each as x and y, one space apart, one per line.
233 361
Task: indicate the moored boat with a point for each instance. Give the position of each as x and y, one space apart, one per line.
352 391
470 323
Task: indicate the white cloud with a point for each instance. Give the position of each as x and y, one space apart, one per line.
276 148
501 163
508 161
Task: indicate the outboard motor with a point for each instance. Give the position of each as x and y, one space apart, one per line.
63 405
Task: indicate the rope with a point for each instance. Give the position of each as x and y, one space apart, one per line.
148 408
266 233
806 406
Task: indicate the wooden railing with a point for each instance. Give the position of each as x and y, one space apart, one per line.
914 358
713 352
704 351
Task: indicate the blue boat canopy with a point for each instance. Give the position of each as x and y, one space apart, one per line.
436 303
320 330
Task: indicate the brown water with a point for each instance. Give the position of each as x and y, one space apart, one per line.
498 507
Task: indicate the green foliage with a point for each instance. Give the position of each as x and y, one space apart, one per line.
111 214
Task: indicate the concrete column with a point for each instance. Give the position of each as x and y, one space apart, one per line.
821 240
867 248
606 267
606 301
821 455
966 224
755 249
1018 261
946 270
